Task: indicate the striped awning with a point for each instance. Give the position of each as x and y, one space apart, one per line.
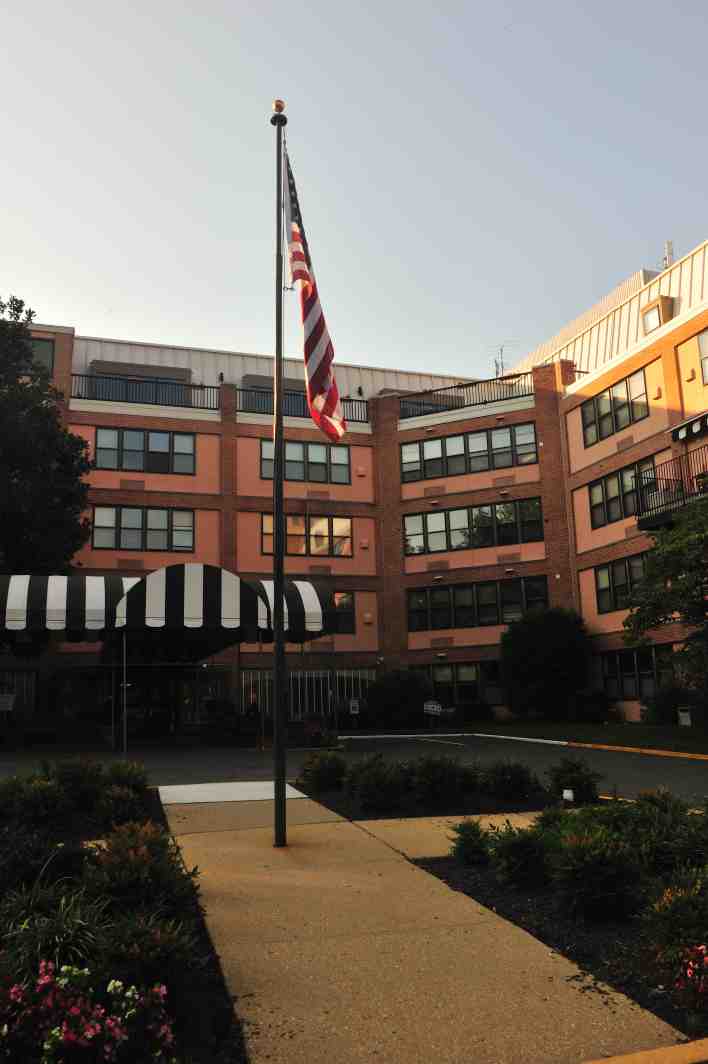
189 598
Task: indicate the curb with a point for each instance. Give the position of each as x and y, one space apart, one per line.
685 1053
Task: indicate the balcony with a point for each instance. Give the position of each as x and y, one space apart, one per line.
673 485
154 391
478 393
260 401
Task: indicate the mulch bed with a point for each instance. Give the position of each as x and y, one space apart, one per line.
609 953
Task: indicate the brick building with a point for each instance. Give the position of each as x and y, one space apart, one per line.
448 508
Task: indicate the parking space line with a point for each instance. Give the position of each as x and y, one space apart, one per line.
445 742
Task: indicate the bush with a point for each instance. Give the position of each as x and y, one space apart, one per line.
544 661
509 781
138 866
127 774
664 706
520 855
12 792
146 949
81 781
64 1016
395 700
44 802
55 922
378 785
599 876
593 707
23 852
440 781
572 773
470 843
119 805
678 918
323 772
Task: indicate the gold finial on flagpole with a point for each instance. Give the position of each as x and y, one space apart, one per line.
278 106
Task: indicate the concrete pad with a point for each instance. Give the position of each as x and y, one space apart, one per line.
234 791
430 836
338 949
241 816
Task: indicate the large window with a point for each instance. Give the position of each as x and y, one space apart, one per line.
142 528
470 452
703 351
345 612
615 496
614 409
311 535
465 685
145 451
614 582
497 524
319 463
43 353
631 675
474 605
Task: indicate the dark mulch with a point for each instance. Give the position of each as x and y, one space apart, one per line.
340 802
609 953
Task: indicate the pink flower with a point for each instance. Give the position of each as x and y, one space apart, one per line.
17 992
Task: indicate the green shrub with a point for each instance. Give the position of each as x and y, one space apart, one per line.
139 866
44 803
145 949
599 875
81 781
379 785
127 774
119 805
323 771
470 843
678 918
509 781
23 852
55 922
439 782
12 792
520 855
572 773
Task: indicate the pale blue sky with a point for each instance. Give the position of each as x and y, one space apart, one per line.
470 175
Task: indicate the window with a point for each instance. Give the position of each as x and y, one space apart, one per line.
651 319
140 450
703 351
453 685
311 535
615 496
474 452
345 612
473 605
318 463
635 674
614 582
43 354
499 524
615 409
142 528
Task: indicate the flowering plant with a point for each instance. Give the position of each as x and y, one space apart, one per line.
63 1018
691 984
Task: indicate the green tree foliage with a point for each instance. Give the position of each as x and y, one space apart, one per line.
544 662
42 491
674 590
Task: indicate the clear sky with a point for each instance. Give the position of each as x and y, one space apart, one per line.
469 175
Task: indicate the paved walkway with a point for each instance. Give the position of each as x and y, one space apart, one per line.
338 950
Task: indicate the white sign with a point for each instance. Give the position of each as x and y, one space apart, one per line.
6 703
433 708
354 706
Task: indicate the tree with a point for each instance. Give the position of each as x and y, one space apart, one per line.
544 662
396 699
43 495
674 591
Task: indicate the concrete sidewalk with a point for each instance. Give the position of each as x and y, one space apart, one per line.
338 950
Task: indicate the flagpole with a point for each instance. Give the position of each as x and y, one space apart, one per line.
278 120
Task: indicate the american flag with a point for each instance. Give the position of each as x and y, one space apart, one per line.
322 394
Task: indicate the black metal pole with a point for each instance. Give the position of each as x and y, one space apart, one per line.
279 675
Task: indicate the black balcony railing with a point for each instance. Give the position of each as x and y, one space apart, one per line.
478 393
154 391
260 401
672 485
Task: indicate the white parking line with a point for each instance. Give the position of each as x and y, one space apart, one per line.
519 738
413 735
445 742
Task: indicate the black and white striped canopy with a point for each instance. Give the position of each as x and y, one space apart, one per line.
187 598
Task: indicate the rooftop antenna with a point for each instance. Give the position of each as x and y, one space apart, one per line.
668 254
499 367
